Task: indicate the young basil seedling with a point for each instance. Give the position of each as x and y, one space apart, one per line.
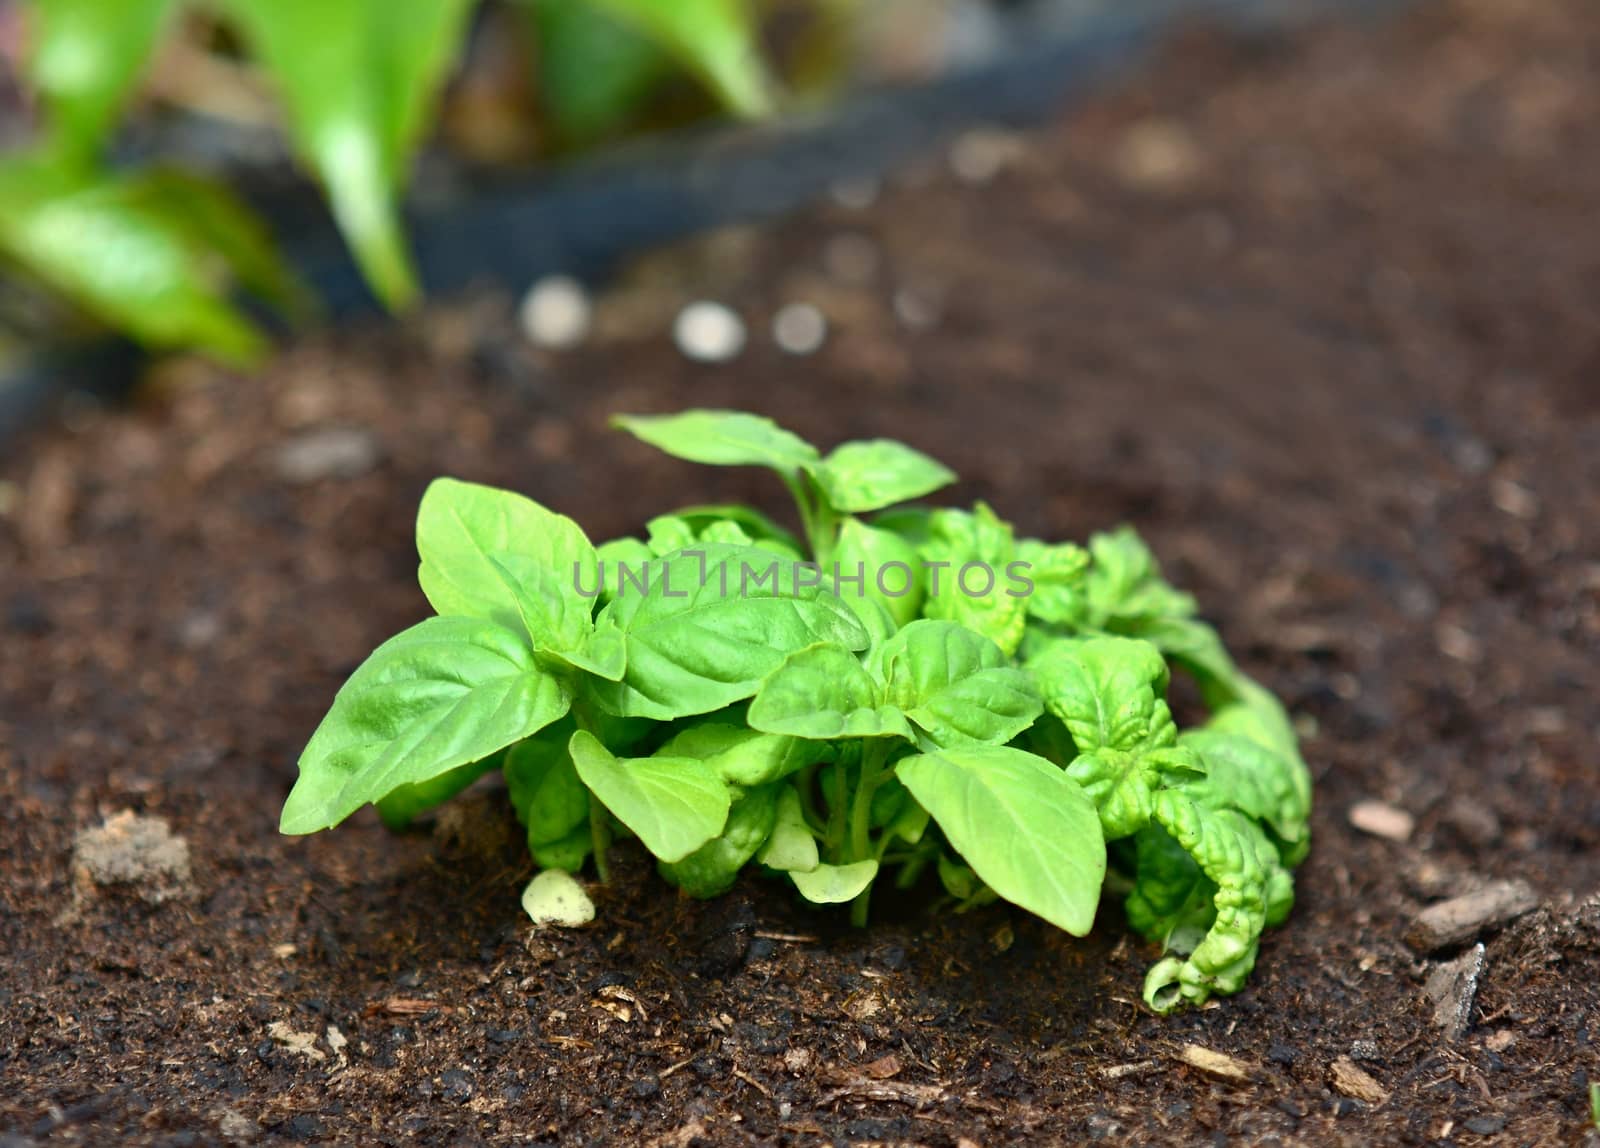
895 692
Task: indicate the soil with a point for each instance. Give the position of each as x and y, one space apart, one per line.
1318 317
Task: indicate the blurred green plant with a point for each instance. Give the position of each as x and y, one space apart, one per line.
159 254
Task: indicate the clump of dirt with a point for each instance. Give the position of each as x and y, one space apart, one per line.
1318 318
139 852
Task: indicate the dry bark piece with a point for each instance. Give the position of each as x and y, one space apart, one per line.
883 1068
1453 987
300 1043
1217 1064
1463 918
49 499
860 1088
402 1007
1348 1079
854 1083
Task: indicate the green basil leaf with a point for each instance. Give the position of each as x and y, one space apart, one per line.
712 869
760 528
1252 889
1241 773
1171 902
912 523
629 552
557 618
1194 646
880 627
548 796
447 692
616 562
400 807
567 854
1110 692
958 880
875 566
870 475
130 251
1057 573
741 756
673 804
1123 784
889 801
667 534
823 692
359 79
1123 586
834 884
670 533
594 72
706 630
717 40
1255 713
791 846
489 553
87 56
729 533
909 824
970 578
722 438
957 685
1025 828
603 653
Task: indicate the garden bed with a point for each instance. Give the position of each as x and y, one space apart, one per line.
1319 319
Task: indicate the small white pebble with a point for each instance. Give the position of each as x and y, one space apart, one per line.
851 259
1455 642
235 1125
915 311
199 630
554 897
799 329
708 332
1381 819
856 194
1157 154
324 453
556 313
1547 720
978 156
1513 498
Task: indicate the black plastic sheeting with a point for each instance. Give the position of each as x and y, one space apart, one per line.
585 218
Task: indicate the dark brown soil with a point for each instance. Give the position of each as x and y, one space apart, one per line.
1323 320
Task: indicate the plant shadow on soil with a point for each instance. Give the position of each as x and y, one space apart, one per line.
1318 318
